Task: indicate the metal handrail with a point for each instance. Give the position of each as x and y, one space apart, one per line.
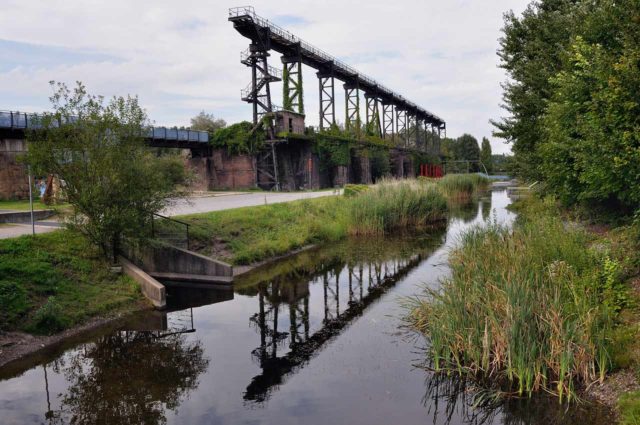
153 231
25 120
249 11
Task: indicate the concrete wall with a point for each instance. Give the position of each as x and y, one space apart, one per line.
14 181
170 259
151 288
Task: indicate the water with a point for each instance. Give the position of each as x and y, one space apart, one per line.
315 339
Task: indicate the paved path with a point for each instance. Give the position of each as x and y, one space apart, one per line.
227 201
199 204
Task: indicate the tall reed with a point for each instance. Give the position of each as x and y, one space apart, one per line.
461 187
523 308
395 204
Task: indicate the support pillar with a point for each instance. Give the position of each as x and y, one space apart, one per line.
292 99
326 82
373 114
401 125
352 107
258 92
387 120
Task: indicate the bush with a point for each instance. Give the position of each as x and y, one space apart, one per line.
49 319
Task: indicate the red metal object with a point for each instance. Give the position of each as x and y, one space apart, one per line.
431 170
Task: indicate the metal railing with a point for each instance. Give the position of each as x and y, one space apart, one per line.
249 11
25 120
170 230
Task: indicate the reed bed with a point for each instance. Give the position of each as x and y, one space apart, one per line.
396 204
524 309
462 187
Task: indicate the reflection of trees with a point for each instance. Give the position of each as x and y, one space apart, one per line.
485 206
131 377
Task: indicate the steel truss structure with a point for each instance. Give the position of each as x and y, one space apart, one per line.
292 85
326 82
373 114
258 92
352 106
387 120
267 36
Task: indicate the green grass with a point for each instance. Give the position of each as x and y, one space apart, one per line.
23 205
57 280
248 235
629 407
254 233
529 309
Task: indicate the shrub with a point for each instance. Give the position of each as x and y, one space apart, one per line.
49 319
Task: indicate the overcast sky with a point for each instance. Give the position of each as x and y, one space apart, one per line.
181 57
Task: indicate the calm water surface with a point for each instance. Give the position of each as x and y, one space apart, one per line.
316 339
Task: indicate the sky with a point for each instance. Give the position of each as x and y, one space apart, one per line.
183 57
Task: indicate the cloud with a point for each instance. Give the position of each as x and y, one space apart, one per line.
183 57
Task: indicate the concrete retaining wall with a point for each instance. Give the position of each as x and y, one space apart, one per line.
24 216
151 288
170 259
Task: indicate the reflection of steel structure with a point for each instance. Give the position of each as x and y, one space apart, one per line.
347 290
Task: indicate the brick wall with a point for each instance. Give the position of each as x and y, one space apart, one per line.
231 171
14 181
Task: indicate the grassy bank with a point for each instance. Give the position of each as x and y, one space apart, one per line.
529 309
57 280
248 235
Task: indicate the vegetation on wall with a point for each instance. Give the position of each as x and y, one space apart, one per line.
238 138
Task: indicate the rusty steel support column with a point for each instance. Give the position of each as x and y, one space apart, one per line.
373 115
352 107
292 99
401 125
327 99
387 120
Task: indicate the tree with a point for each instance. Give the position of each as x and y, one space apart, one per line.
591 148
207 122
485 155
532 51
98 152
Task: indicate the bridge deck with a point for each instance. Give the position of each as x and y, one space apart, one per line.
250 25
17 122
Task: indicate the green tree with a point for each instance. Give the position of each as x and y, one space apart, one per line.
98 152
531 51
207 122
591 146
485 155
466 148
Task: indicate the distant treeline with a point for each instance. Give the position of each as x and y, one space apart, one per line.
573 96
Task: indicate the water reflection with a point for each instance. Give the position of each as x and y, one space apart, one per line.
350 279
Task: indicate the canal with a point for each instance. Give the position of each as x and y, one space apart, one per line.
314 339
